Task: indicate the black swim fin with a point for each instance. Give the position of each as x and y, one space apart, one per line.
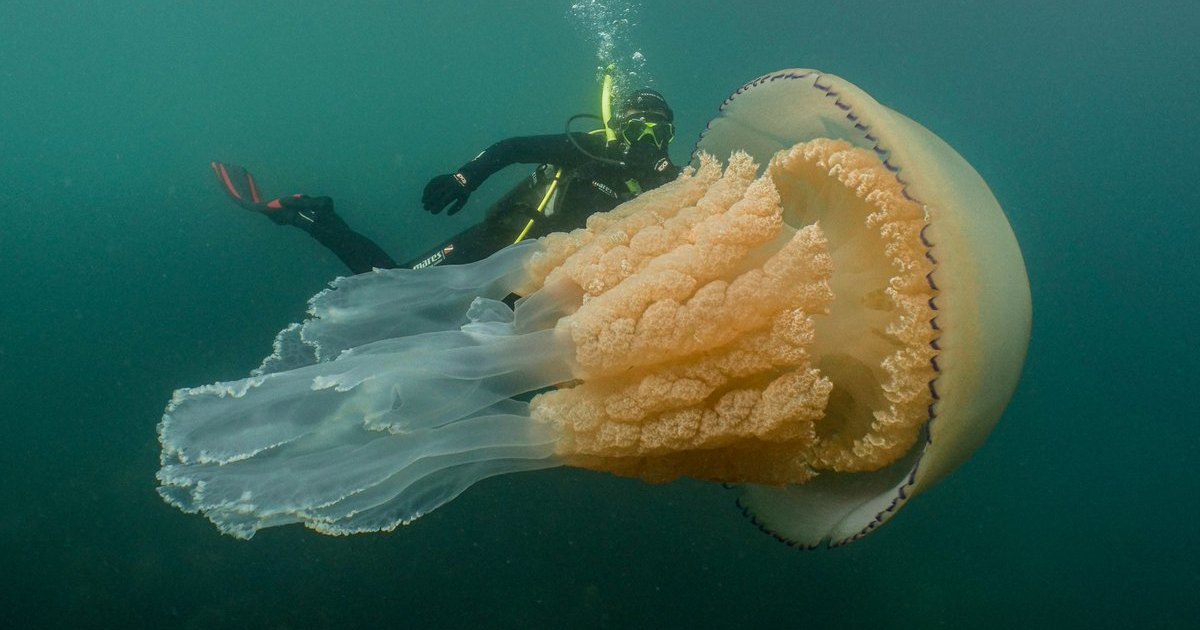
239 185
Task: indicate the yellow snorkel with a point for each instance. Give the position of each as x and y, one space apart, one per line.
610 136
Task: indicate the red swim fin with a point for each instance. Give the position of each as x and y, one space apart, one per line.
239 184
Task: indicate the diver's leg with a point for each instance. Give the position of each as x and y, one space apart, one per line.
475 243
316 216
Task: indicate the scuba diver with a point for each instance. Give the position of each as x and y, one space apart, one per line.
578 174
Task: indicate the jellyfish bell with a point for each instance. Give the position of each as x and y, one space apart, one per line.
982 301
826 320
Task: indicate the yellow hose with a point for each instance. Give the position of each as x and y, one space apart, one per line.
541 206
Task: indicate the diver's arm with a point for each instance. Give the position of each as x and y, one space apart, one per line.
450 192
556 149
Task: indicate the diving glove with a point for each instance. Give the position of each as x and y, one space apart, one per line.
443 190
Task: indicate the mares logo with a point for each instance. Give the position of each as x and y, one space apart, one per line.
436 258
605 189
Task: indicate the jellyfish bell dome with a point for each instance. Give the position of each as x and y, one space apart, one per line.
980 292
828 309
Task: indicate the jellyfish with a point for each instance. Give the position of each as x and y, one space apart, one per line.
827 311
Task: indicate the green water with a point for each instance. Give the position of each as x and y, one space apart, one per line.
128 274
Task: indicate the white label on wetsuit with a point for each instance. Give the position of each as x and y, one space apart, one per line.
436 258
429 262
605 189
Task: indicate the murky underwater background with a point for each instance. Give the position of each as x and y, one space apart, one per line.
126 274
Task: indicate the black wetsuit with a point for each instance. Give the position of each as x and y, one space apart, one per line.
585 186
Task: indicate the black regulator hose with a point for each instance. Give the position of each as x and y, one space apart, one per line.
571 137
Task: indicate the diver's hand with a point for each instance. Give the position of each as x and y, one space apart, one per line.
443 190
